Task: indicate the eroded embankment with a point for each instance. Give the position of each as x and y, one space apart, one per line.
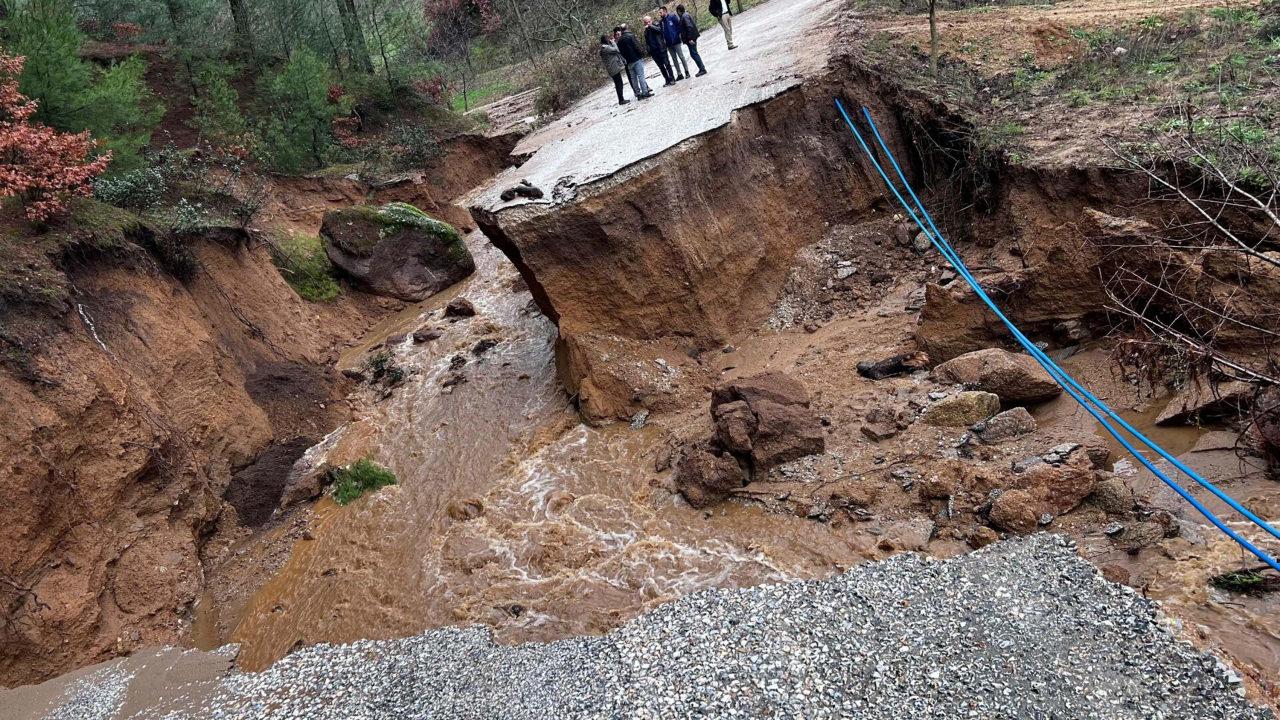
149 421
682 250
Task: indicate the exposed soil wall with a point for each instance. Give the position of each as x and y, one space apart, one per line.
149 412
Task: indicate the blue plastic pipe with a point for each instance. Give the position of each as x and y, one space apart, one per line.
1083 397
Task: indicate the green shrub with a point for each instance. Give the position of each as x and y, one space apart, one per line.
303 264
113 104
141 189
361 476
299 110
414 146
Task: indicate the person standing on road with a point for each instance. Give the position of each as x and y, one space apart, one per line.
614 65
634 56
671 32
658 50
689 33
724 15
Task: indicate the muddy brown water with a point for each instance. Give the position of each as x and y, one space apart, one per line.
508 512
1178 572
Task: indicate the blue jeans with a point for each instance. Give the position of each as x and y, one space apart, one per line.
636 70
693 53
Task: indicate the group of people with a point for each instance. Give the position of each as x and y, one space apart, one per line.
665 39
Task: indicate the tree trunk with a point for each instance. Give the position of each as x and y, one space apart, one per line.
933 36
354 35
244 32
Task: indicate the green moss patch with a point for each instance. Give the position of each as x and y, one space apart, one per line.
361 476
303 264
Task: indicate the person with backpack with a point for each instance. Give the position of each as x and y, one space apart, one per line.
724 15
673 33
614 65
689 33
658 50
634 57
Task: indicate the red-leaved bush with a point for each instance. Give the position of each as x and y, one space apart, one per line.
40 166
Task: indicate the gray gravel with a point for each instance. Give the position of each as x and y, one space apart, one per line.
1022 629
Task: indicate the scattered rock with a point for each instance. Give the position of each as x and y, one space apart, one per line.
1017 379
1059 453
877 431
1016 511
396 250
962 410
903 233
1005 426
1205 401
484 346
426 334
921 243
459 307
895 365
705 478
1115 574
1113 496
1042 490
1113 529
983 536
1025 464
354 374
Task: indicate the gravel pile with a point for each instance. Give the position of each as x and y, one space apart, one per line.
1023 629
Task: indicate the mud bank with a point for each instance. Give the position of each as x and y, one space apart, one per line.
150 421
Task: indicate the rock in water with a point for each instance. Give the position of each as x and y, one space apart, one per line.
766 418
459 307
396 250
705 478
1015 378
962 410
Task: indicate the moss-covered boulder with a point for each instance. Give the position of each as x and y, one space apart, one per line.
395 250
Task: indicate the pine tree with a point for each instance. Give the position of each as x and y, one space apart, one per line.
301 107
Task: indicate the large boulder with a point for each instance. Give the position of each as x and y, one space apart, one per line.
1017 379
766 419
962 409
705 478
396 250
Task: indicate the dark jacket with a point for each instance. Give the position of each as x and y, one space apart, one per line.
653 38
612 59
690 28
629 48
718 8
671 31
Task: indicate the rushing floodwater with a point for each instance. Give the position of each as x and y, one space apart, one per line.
508 512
